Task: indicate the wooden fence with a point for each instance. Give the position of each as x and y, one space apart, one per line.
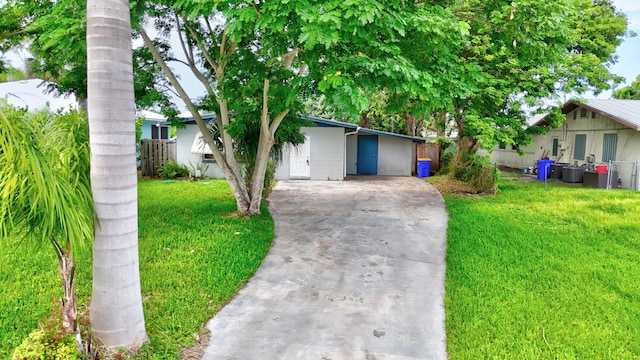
429 150
154 153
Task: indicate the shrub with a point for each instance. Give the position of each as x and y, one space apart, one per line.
49 341
269 178
198 170
42 345
171 169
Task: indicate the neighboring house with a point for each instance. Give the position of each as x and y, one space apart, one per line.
32 94
331 151
154 126
594 132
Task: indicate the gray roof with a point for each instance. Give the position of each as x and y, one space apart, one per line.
625 112
326 122
32 94
334 123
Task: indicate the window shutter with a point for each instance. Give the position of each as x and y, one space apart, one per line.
609 145
580 147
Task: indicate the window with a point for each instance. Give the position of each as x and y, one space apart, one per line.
515 147
593 115
575 114
502 146
609 145
583 112
580 146
208 158
554 147
159 132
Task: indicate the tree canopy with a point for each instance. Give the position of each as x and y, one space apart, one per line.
481 65
631 92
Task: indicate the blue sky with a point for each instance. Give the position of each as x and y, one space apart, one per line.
628 52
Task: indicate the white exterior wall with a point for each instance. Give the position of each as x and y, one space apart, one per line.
394 156
184 155
352 154
628 142
331 155
327 154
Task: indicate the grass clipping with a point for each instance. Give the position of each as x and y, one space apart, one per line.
447 185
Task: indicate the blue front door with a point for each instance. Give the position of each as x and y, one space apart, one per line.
367 155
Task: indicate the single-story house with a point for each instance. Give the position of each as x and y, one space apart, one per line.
154 126
332 150
594 132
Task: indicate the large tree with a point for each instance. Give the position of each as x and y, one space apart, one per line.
528 52
116 314
258 60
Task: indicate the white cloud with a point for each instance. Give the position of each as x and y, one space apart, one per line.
627 5
632 9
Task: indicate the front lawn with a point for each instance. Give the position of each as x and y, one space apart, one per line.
544 273
194 256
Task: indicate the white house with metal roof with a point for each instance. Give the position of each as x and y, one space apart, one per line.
594 132
332 151
33 95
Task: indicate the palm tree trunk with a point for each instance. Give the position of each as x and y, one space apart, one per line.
117 319
68 278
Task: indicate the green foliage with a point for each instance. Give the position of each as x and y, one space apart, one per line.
198 169
12 74
631 92
269 178
55 33
45 192
40 345
171 169
543 48
543 273
30 280
48 342
194 256
476 171
139 122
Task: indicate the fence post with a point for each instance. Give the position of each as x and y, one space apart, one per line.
154 153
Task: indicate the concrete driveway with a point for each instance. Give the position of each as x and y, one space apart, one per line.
356 271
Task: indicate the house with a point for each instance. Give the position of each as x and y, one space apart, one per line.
331 151
594 132
154 126
32 94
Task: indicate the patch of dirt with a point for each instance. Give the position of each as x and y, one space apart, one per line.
447 186
195 352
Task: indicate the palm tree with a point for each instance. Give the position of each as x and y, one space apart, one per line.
117 319
44 188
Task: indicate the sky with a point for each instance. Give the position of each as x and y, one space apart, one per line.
628 52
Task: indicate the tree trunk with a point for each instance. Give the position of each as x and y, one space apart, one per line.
67 277
260 168
467 146
117 319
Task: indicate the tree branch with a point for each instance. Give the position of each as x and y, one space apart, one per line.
205 52
188 54
264 117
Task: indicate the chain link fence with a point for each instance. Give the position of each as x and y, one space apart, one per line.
623 175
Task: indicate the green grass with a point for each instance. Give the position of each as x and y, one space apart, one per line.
194 256
544 273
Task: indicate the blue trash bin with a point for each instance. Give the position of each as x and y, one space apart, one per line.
424 167
544 168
